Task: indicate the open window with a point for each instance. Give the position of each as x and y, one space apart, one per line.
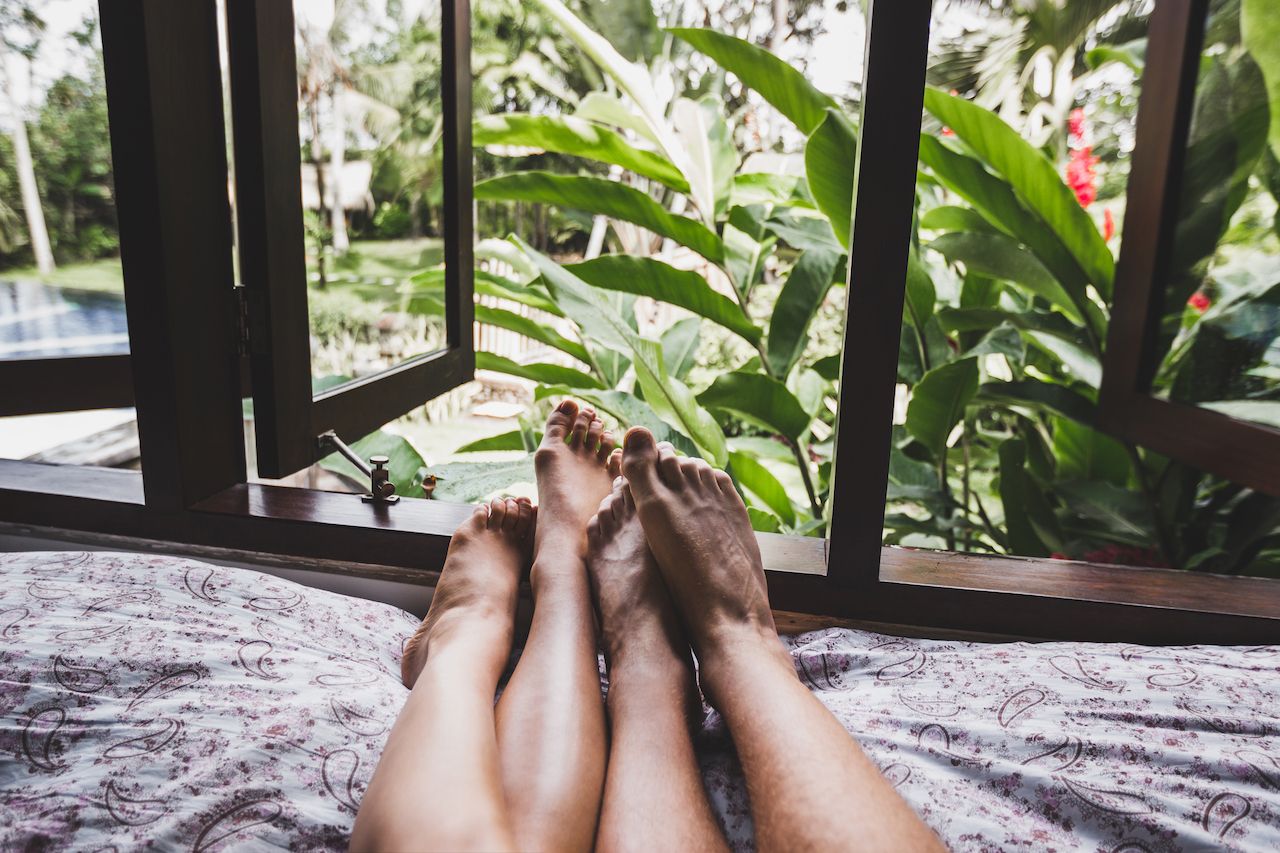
294 402
1193 366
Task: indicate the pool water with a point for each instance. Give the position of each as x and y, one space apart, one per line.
41 321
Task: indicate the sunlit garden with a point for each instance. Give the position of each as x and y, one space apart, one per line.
663 201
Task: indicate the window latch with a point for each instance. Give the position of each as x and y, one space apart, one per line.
381 489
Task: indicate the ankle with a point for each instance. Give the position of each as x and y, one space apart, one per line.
730 655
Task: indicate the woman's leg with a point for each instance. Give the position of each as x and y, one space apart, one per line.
551 729
653 793
438 785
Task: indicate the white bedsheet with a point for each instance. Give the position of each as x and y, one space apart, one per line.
150 699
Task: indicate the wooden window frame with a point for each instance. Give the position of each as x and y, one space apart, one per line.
1244 452
192 491
264 94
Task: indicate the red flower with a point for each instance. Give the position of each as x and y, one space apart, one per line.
1108 225
946 131
1076 128
1199 301
1081 176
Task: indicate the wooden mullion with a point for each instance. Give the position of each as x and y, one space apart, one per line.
164 95
883 206
69 384
272 246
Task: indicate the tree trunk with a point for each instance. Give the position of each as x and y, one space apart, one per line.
779 31
317 155
27 182
337 159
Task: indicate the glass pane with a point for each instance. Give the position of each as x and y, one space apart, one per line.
103 438
1221 330
61 289
370 114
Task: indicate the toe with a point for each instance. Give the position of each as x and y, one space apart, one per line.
578 433
669 465
594 429
706 474
614 463
497 513
512 516
606 447
725 482
639 461
629 498
525 521
560 422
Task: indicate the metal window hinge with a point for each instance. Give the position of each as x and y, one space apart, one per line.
381 490
242 318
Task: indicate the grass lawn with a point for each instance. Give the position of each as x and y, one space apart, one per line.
103 276
369 261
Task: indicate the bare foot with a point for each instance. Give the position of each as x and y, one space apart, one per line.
638 622
700 534
476 595
572 477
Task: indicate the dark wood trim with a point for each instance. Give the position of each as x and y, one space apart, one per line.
37 385
272 242
164 93
934 592
1241 451
1174 36
457 163
897 49
358 408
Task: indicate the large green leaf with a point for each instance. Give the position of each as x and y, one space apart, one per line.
1083 453
539 372
1260 32
996 201
1118 514
1042 396
1000 257
680 346
513 440
773 79
1016 492
801 296
1035 179
713 158
921 296
948 217
761 482
570 135
938 402
770 188
430 283
632 78
608 109
670 398
601 196
829 159
663 282
532 329
759 399
472 482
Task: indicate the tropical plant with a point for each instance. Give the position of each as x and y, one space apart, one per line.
1008 288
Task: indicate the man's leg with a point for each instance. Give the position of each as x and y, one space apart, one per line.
653 794
810 785
438 784
551 729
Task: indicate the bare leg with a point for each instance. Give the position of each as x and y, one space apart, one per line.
551 729
653 793
796 757
438 784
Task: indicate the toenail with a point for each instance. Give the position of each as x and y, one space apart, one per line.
565 406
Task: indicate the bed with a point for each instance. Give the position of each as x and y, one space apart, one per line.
162 700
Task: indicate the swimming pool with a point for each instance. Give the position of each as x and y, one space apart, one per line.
41 321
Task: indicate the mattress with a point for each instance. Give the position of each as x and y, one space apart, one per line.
148 699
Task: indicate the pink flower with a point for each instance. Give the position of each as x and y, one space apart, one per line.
1108 225
1076 128
1199 301
1081 176
946 131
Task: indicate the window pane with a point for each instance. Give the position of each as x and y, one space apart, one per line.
1221 331
61 290
371 116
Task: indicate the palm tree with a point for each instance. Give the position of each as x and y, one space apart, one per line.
20 29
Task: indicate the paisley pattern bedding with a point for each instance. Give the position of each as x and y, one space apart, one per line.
156 700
